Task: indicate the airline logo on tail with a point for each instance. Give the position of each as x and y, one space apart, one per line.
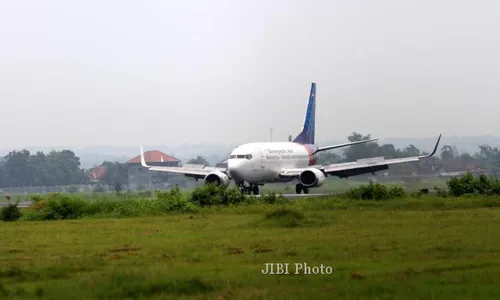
308 131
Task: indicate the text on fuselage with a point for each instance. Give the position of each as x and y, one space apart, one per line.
280 151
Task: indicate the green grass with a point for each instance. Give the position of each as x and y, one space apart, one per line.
421 248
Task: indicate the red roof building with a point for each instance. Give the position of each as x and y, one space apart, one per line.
138 175
97 173
154 157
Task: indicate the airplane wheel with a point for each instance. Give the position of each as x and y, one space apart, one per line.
306 190
298 188
255 189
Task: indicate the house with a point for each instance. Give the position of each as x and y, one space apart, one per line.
138 175
96 173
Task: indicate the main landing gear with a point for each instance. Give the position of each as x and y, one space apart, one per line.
299 188
249 189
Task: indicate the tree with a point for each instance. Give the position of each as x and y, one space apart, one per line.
388 151
488 157
16 168
328 157
21 168
355 152
116 175
199 160
447 152
411 150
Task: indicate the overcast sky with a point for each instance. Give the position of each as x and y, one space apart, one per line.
80 73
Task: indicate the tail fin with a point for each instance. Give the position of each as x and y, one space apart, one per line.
307 134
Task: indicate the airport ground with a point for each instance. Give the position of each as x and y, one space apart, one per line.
423 247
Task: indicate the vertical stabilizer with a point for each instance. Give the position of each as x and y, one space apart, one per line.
307 134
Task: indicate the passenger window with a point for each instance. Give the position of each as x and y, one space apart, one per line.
240 156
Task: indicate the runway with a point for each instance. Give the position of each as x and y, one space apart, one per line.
25 204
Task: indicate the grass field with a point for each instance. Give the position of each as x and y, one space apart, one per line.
425 248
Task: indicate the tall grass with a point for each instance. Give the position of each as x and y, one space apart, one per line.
216 199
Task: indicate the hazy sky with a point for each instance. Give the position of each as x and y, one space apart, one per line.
79 73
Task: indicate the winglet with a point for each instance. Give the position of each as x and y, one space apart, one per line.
433 151
143 160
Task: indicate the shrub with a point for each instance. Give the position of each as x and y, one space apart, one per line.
211 194
468 184
10 212
173 200
272 198
374 191
36 198
231 196
58 207
441 192
462 185
208 194
396 192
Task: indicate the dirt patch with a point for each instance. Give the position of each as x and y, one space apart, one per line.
151 231
231 251
15 251
124 249
263 250
356 275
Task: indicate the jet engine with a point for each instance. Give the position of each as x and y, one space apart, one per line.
311 177
218 178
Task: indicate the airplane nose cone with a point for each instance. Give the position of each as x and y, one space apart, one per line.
234 167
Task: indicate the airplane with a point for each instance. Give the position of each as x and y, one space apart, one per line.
254 164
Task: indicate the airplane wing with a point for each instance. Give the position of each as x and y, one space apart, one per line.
361 166
344 145
192 170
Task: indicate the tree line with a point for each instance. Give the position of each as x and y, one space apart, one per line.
23 168
486 158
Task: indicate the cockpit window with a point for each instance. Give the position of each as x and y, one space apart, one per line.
245 156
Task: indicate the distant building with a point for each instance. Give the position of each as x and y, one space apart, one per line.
96 173
138 175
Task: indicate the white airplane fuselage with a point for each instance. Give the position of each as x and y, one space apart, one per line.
259 163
